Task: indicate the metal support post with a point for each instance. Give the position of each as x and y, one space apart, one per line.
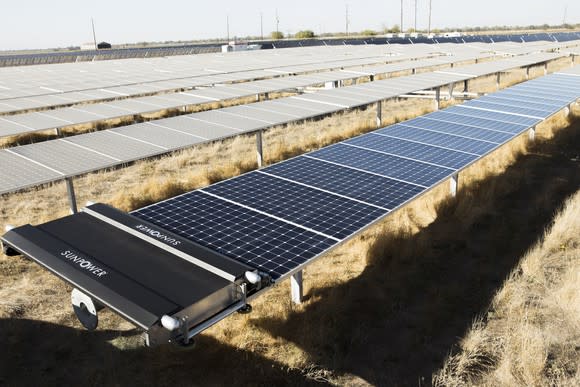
497 81
451 87
437 98
72 199
466 86
259 153
453 184
371 78
296 287
413 71
58 132
379 114
546 68
266 96
573 60
257 97
527 73
532 133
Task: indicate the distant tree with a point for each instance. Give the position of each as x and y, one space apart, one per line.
277 35
396 29
306 34
410 30
368 33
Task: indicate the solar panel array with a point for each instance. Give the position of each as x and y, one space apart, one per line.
77 155
281 217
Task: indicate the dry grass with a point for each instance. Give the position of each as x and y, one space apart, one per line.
529 336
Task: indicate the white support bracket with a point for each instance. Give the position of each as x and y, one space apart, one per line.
437 98
259 153
453 184
58 132
257 97
296 287
379 114
72 199
532 133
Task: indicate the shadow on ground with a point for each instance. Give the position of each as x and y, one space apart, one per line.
43 354
397 321
392 325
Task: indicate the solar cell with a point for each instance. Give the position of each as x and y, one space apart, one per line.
385 165
455 129
430 137
17 172
412 150
491 115
363 186
498 107
267 243
332 215
496 131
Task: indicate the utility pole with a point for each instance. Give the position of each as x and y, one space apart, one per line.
277 22
402 16
415 15
228 28
261 26
94 35
346 19
429 29
565 14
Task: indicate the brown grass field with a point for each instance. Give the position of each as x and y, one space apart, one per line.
480 289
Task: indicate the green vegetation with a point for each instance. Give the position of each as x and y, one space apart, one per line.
276 35
306 34
368 33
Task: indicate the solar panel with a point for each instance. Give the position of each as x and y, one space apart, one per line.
412 150
385 165
492 115
430 137
497 131
539 114
363 186
318 210
467 131
17 172
267 243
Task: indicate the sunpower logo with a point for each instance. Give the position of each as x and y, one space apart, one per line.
158 235
83 263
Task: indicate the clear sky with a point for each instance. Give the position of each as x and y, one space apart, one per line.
61 23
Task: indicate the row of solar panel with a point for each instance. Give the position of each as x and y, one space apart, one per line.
58 118
279 218
50 80
344 98
44 162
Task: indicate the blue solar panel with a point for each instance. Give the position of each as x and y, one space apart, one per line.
513 101
364 186
520 100
496 116
269 244
497 131
390 166
456 129
437 138
532 92
318 210
421 152
545 90
498 107
533 97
